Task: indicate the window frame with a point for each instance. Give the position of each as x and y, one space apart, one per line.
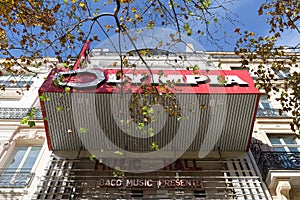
12 181
283 144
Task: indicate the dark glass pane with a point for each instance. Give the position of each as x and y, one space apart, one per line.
289 140
275 140
293 149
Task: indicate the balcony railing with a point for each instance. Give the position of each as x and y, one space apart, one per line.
270 112
18 113
10 179
271 160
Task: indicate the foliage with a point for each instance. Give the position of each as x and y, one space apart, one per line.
29 118
31 29
281 16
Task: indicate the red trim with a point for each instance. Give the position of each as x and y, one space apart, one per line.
186 89
42 103
83 54
253 121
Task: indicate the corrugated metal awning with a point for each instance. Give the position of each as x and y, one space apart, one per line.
212 119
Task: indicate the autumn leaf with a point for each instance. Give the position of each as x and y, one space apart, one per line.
133 9
237 30
82 4
150 24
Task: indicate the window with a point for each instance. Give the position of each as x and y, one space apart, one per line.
17 170
265 108
264 103
287 151
284 144
282 74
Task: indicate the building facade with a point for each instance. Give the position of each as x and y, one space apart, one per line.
23 150
274 146
53 161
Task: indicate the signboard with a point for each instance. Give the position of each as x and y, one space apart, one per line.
185 81
151 183
137 78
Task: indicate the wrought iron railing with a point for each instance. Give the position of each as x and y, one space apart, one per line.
271 160
270 112
10 179
19 113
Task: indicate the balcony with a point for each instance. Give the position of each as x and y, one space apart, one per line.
10 179
270 112
271 160
18 113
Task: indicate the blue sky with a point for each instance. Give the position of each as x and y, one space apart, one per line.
251 21
246 10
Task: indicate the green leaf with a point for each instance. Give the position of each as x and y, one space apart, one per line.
186 26
31 113
206 3
117 172
24 120
188 30
83 130
31 124
92 157
59 108
65 65
195 67
67 90
150 24
144 108
150 111
44 98
118 152
56 82
141 125
154 146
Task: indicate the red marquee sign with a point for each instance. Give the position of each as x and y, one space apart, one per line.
185 81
